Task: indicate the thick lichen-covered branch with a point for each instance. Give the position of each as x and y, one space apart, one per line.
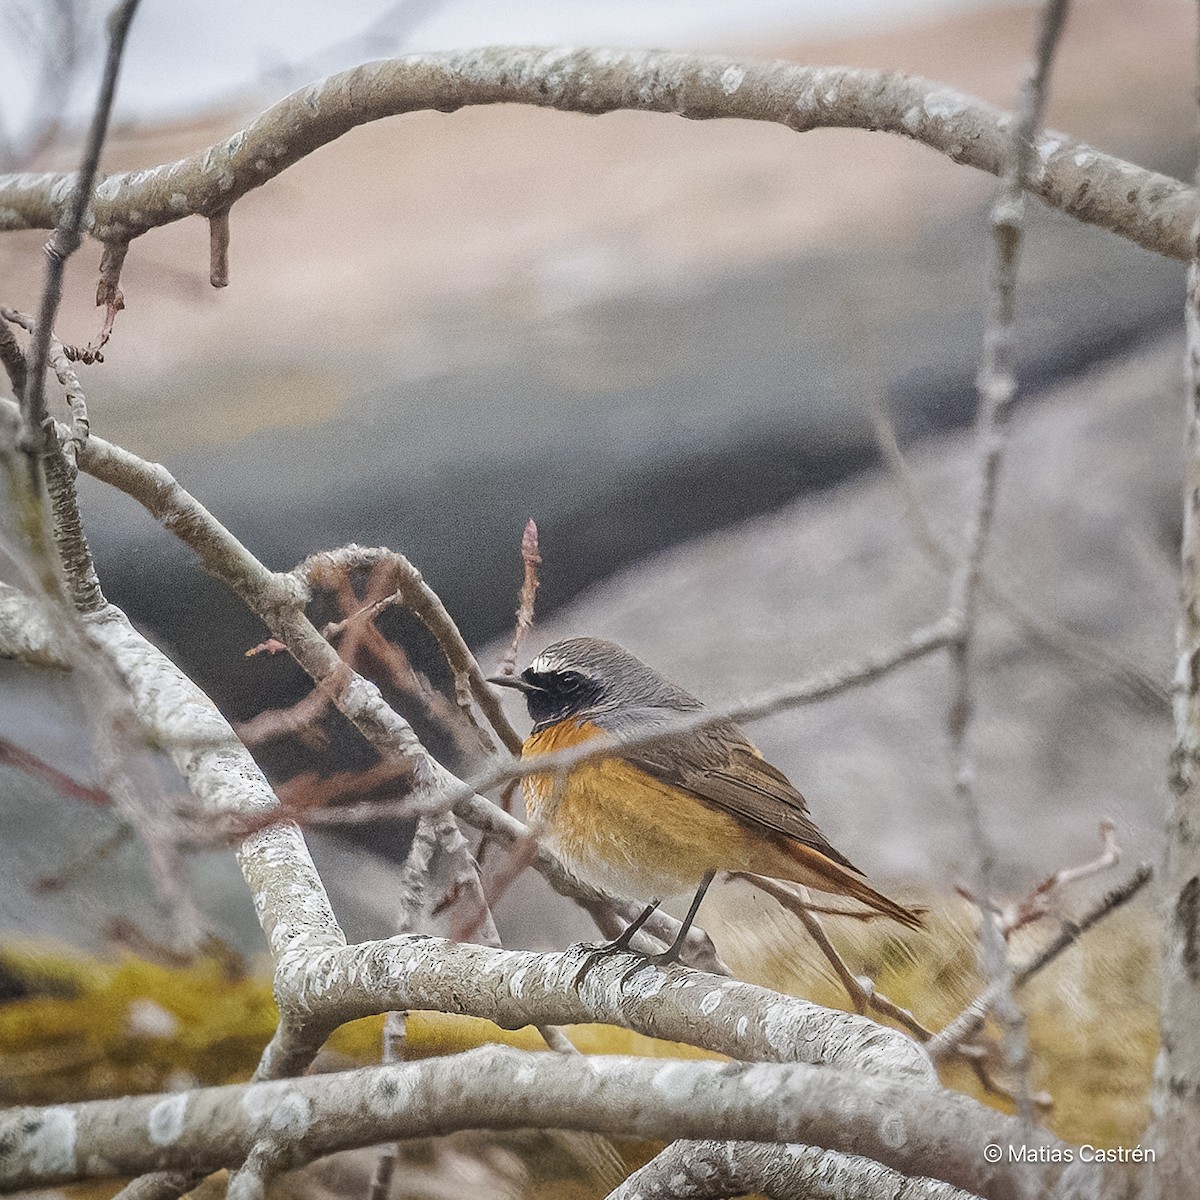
1150 209
515 988
913 1130
714 1170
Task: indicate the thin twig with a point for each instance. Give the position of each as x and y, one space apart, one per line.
68 235
531 559
218 249
971 1019
862 992
997 387
1137 684
425 604
1037 904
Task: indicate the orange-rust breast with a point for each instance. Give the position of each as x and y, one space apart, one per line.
621 829
540 789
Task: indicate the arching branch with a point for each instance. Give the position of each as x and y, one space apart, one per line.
913 1130
1150 209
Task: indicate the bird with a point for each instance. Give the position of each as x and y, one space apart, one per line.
659 818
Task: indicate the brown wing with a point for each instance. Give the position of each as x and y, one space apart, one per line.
721 767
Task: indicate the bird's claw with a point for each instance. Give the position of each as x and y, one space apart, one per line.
657 961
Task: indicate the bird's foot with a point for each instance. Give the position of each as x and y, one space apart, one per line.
593 954
618 945
664 959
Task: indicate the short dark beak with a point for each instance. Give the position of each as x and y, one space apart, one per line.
513 681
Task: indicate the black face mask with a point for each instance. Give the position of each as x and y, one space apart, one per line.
555 695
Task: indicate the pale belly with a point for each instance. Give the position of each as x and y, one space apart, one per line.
614 870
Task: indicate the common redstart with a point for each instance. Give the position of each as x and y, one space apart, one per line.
661 819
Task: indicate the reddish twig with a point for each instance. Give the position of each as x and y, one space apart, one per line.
13 755
971 1019
525 600
424 603
1037 903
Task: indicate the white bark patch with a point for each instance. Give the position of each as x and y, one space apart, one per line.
292 1115
649 981
944 104
732 79
62 189
54 1143
761 1081
675 1079
259 1102
892 1131
711 1002
778 1032
165 1122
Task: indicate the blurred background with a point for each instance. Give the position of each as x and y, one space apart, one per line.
662 340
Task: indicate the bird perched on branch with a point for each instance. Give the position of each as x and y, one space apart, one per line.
659 818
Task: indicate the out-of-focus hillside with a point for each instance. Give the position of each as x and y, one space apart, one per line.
426 243
442 324
636 329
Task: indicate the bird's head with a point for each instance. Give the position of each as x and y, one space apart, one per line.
586 678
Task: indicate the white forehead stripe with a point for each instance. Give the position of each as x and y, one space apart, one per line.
546 663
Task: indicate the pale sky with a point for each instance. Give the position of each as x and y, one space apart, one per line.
183 56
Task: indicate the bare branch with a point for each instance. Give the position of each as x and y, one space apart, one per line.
1134 683
1152 210
970 1021
515 988
861 989
1175 1095
714 1170
221 774
218 249
68 229
997 386
913 1130
428 608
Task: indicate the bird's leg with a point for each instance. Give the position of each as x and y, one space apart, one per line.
619 944
672 952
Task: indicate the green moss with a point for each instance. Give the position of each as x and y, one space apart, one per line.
126 1026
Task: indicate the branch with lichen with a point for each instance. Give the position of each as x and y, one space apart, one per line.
913 1130
1150 209
715 1170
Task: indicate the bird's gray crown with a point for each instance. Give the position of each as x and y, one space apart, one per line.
591 676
